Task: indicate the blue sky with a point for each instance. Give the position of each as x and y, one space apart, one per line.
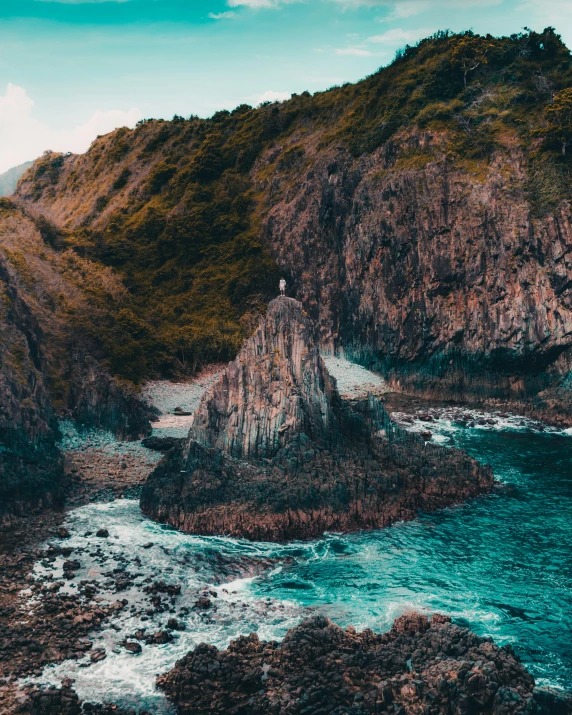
71 69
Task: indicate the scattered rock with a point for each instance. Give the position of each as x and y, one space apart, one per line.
97 655
132 646
161 444
102 533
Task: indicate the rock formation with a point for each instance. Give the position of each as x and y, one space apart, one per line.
45 374
277 387
31 468
419 237
274 453
420 666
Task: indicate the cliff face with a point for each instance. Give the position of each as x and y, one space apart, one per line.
31 469
441 278
274 454
46 369
424 223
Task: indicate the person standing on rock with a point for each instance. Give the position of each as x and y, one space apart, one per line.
282 286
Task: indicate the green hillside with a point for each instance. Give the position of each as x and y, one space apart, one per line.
177 207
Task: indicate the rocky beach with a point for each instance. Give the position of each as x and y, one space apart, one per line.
99 601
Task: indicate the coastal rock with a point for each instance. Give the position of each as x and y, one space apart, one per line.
275 454
276 387
420 666
98 400
46 372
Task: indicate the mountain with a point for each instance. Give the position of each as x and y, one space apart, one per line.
9 179
422 216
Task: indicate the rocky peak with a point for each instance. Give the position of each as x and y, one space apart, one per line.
277 387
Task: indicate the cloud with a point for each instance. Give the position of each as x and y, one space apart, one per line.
253 3
408 8
23 137
270 96
222 15
356 51
399 36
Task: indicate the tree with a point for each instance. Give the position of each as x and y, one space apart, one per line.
470 52
559 114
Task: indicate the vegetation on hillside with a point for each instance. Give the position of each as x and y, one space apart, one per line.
175 207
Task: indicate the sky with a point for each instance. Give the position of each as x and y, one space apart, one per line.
73 69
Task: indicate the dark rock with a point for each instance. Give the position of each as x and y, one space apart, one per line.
203 603
31 466
102 533
97 655
175 625
132 646
274 454
159 638
420 666
160 444
548 701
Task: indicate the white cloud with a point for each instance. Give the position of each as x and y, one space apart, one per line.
398 36
23 137
270 96
222 15
408 8
253 3
356 51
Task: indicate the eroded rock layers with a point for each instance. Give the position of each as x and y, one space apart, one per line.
420 666
274 454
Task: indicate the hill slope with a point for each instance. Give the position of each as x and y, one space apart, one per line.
9 179
422 216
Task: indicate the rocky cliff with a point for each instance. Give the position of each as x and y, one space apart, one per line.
31 468
274 454
46 369
276 389
443 279
420 666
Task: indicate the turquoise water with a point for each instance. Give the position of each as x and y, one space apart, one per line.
501 564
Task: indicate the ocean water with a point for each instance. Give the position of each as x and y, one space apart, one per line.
501 564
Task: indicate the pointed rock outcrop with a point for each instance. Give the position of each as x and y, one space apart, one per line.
275 454
276 388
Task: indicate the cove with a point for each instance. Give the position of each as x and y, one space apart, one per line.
500 564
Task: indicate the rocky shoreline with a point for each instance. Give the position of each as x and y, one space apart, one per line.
420 666
31 638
